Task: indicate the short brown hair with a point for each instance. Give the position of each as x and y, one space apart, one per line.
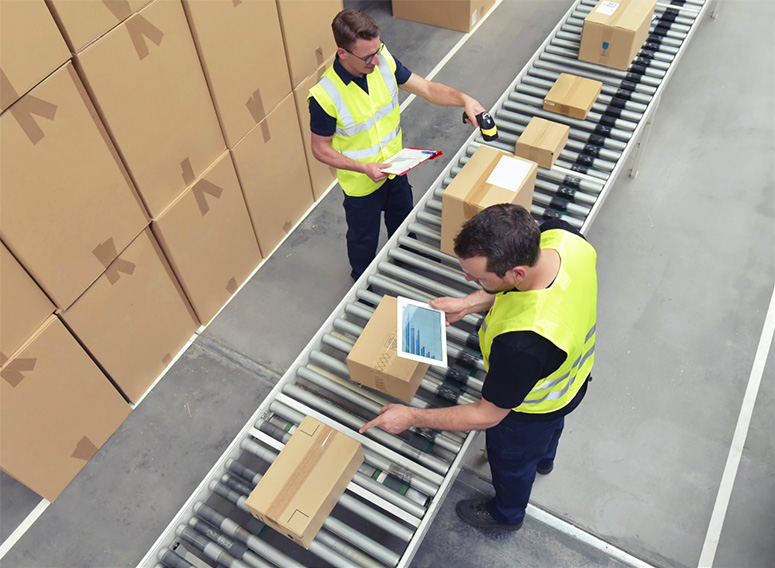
351 25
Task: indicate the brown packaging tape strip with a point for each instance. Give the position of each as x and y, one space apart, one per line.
8 94
105 252
202 188
188 172
140 28
384 356
300 474
14 371
265 131
167 359
119 8
231 285
23 110
236 2
255 106
319 56
478 192
287 226
119 265
3 358
84 450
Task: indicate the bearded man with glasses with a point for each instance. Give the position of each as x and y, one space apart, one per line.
356 125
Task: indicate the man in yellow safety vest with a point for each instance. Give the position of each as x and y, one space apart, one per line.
539 288
356 125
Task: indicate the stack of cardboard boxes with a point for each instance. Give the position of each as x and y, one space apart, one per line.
152 156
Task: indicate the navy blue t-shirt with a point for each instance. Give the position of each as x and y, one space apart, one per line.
519 359
323 124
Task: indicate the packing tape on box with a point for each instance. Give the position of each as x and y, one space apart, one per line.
478 192
84 449
30 105
231 285
113 273
187 172
8 94
383 359
167 359
119 8
236 2
106 253
299 477
319 55
255 106
13 373
201 190
3 358
139 28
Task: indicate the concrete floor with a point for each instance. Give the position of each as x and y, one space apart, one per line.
687 272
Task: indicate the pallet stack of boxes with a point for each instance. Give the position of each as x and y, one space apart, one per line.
153 153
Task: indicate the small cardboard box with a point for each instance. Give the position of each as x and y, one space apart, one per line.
83 22
460 15
306 27
31 48
273 174
241 49
56 410
146 80
572 95
302 486
135 318
614 32
24 305
320 174
207 237
374 361
475 188
542 141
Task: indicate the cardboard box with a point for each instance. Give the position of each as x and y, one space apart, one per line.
614 32
460 15
67 205
302 486
83 21
23 305
572 95
273 173
31 48
374 361
246 71
542 141
473 190
147 83
320 174
135 318
309 41
56 410
207 237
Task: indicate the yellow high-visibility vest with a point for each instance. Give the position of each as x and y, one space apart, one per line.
565 313
368 125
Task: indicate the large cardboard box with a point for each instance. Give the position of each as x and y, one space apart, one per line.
488 178
374 361
614 32
321 175
273 173
207 237
83 21
67 205
23 305
302 486
56 410
460 15
135 318
572 95
146 80
542 141
241 48
31 48
309 41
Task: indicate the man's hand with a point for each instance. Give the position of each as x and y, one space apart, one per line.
374 171
473 109
454 308
393 418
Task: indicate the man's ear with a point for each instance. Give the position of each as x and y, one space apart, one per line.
519 273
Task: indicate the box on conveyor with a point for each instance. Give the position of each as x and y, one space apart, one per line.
572 95
542 141
302 486
614 32
488 178
460 15
374 361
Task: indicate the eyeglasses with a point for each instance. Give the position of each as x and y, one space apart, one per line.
369 58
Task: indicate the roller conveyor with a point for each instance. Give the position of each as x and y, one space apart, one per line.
387 508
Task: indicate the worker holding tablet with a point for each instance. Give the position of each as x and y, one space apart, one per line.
539 289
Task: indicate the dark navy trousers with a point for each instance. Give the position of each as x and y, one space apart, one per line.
514 449
364 215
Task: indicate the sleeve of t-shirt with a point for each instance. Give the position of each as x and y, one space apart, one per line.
518 360
320 122
402 73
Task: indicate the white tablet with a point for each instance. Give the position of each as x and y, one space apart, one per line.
422 334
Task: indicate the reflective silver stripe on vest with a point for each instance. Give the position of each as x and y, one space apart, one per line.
336 97
374 150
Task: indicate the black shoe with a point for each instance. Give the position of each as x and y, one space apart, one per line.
475 513
545 467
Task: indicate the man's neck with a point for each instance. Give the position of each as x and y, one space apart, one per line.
543 273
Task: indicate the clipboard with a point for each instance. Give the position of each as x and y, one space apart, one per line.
409 158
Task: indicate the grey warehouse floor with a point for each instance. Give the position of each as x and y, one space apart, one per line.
686 261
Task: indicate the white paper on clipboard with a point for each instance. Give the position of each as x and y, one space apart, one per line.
422 334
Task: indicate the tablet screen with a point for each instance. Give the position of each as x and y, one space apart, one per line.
422 335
